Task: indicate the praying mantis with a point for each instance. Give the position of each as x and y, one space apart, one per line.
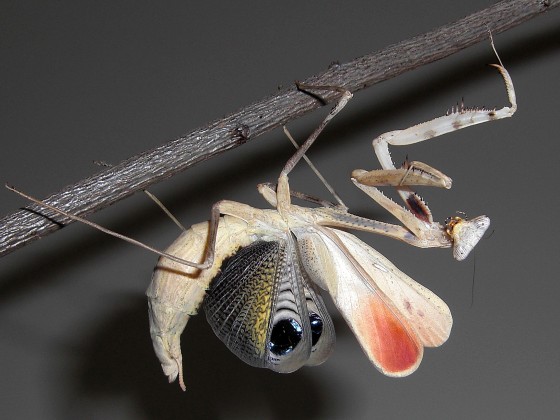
259 273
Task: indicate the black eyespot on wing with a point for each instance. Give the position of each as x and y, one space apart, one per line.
316 327
285 336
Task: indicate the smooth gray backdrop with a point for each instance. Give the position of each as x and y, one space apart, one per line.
83 81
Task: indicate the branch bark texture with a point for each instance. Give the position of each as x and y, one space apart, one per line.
139 172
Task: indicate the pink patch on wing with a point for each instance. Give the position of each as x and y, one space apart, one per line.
385 338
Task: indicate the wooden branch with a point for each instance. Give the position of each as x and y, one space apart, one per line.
139 172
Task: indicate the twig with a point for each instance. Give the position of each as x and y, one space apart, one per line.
139 172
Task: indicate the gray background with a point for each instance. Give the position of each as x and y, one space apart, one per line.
88 82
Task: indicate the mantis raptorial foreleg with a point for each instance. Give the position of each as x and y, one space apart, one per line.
418 173
417 216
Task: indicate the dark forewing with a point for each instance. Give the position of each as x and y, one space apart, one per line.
262 308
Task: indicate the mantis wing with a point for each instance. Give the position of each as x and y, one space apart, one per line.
392 316
263 309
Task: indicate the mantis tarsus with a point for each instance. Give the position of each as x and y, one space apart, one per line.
259 272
